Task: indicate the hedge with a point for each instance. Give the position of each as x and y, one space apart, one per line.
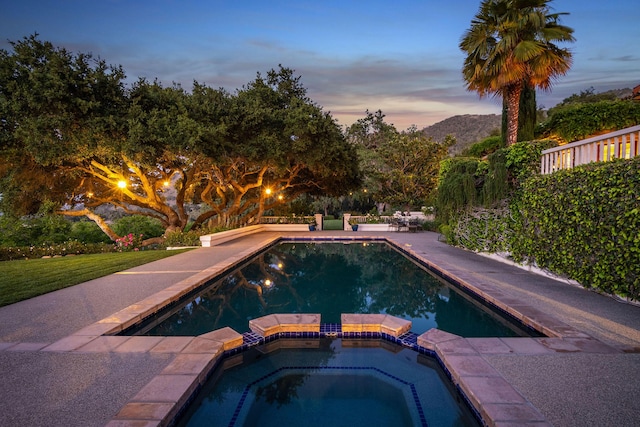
584 223
581 223
72 247
580 121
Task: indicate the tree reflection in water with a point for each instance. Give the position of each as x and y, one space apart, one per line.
283 390
326 278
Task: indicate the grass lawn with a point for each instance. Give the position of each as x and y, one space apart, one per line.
26 279
332 224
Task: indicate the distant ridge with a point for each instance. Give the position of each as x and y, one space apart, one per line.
467 129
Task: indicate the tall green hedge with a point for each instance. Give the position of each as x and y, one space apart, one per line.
574 122
584 223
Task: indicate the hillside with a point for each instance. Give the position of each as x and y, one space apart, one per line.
467 129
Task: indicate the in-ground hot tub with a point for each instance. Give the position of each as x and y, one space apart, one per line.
319 382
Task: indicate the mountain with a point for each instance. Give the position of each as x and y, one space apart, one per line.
467 129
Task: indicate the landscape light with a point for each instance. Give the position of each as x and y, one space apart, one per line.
122 184
267 191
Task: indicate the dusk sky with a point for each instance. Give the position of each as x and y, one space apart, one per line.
401 56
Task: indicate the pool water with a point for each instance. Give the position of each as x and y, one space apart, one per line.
328 382
330 279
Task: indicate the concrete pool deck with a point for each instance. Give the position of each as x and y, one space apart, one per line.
590 376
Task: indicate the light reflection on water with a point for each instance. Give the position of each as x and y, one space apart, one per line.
331 279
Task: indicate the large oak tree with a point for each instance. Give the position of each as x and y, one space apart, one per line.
72 132
400 168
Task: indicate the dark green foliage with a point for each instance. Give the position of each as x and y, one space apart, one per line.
40 229
138 224
189 238
400 168
586 97
579 121
496 184
73 133
527 118
484 229
583 223
11 232
459 186
88 232
466 182
523 159
484 147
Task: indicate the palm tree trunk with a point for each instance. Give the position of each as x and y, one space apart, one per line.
513 112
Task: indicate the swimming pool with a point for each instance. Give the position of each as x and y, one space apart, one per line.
321 382
329 278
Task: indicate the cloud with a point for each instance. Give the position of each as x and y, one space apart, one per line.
627 58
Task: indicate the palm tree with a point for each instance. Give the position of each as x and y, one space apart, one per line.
512 43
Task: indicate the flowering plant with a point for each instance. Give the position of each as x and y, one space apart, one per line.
130 242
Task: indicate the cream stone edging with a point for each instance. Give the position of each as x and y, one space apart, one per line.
210 240
159 402
495 400
282 323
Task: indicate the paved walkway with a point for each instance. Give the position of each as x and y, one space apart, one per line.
572 382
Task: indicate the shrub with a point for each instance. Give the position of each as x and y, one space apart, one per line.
578 121
129 242
484 229
583 223
138 224
34 230
484 147
72 247
182 238
459 186
523 158
191 237
429 225
88 232
11 232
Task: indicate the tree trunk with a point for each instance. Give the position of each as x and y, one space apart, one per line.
513 109
527 115
95 218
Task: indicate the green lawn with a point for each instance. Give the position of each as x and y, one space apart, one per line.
332 224
26 279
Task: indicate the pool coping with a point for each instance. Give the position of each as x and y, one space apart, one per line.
489 395
196 355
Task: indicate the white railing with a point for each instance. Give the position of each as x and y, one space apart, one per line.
623 144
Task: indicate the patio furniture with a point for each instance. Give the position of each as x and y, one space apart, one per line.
413 225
